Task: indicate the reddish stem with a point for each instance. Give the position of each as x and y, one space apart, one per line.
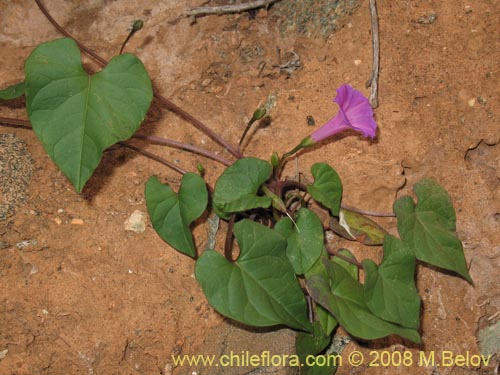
343 257
168 142
183 146
154 157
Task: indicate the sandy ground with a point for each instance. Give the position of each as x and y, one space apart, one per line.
82 295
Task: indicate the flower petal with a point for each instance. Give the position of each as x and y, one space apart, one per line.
357 110
355 113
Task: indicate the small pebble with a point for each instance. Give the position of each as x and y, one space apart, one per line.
468 9
206 82
3 353
310 121
481 100
26 243
357 62
428 19
58 221
136 222
77 222
471 102
34 270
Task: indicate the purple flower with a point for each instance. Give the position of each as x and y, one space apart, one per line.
355 113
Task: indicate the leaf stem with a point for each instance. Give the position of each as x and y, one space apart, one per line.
300 186
228 243
22 124
15 123
153 139
183 146
161 99
257 115
135 28
343 257
154 157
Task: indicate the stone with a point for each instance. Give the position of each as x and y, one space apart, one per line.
136 222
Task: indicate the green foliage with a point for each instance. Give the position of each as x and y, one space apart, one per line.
428 228
327 187
305 244
327 320
172 214
236 189
349 267
308 344
77 116
12 92
355 226
260 288
390 290
344 299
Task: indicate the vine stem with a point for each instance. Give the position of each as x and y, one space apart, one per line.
343 257
17 123
300 186
163 141
160 98
23 125
154 157
228 243
183 146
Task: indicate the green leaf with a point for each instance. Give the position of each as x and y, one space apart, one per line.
354 226
284 227
327 187
236 189
351 269
77 116
345 300
428 228
172 214
12 92
260 288
327 321
310 345
390 290
306 242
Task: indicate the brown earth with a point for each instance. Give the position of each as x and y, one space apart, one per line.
81 295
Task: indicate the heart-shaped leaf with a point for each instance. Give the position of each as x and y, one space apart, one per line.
308 345
390 290
345 300
306 242
260 288
171 213
428 228
77 116
327 187
284 227
354 226
236 189
12 92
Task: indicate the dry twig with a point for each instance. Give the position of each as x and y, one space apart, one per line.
373 81
230 8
